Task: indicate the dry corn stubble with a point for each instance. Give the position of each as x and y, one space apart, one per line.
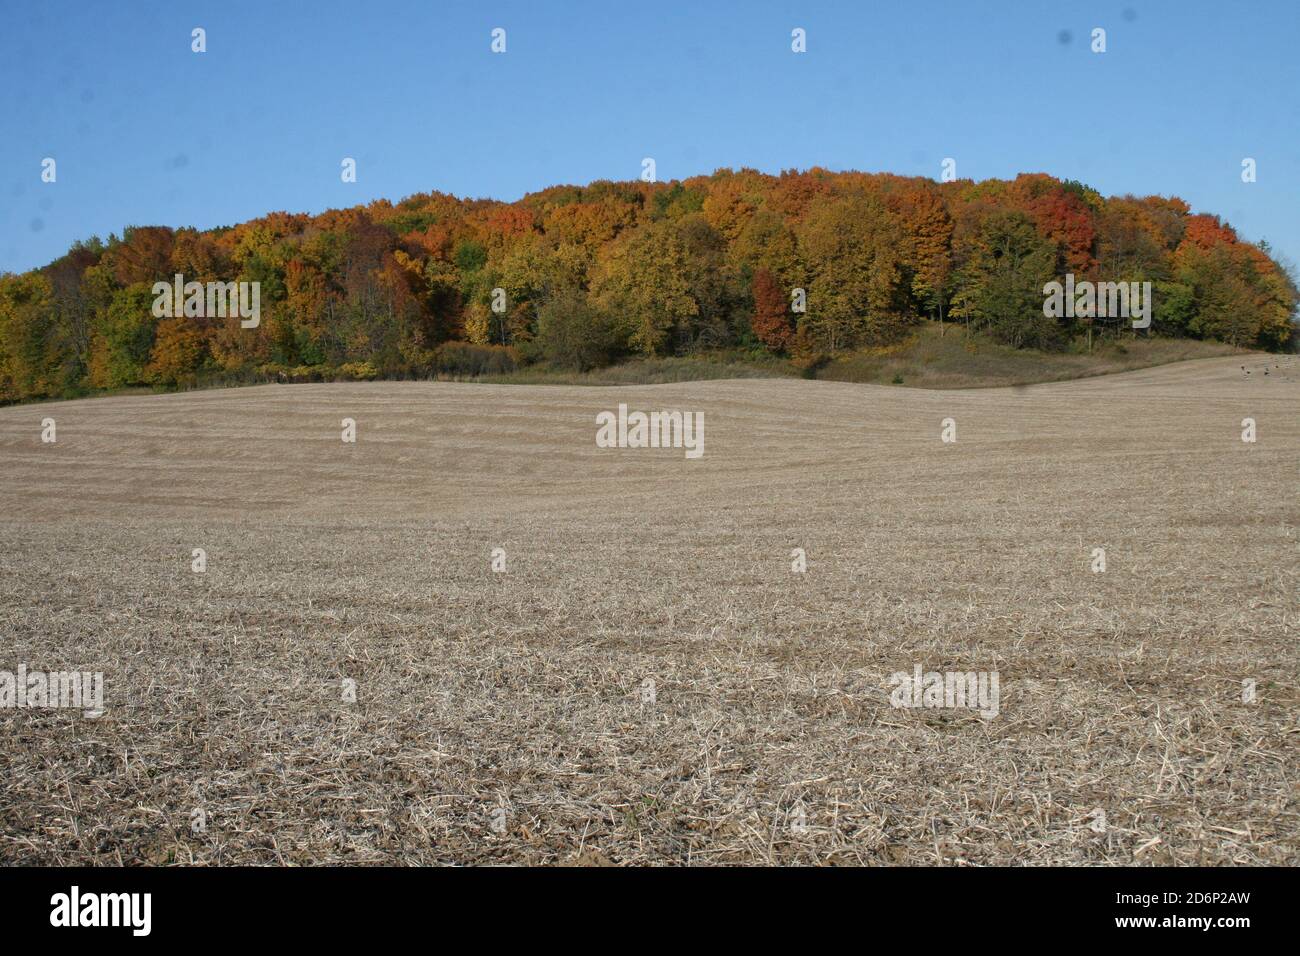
769 736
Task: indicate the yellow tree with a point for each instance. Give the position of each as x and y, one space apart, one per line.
857 295
177 353
642 282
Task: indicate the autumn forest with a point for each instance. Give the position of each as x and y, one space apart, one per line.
804 266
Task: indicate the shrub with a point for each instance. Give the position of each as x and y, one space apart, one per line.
571 334
306 373
358 372
465 358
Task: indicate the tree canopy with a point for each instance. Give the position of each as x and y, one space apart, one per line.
583 275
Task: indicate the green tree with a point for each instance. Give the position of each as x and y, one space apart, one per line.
127 332
572 334
1000 284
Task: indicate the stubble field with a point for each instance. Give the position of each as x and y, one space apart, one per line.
509 717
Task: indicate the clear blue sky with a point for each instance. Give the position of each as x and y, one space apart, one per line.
146 132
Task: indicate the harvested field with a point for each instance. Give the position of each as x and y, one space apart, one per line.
769 736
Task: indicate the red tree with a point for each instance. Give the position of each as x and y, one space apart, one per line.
771 315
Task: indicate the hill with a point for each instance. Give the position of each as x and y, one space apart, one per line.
806 270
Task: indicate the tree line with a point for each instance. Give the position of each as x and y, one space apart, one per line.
804 265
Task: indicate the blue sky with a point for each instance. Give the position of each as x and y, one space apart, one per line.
146 132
